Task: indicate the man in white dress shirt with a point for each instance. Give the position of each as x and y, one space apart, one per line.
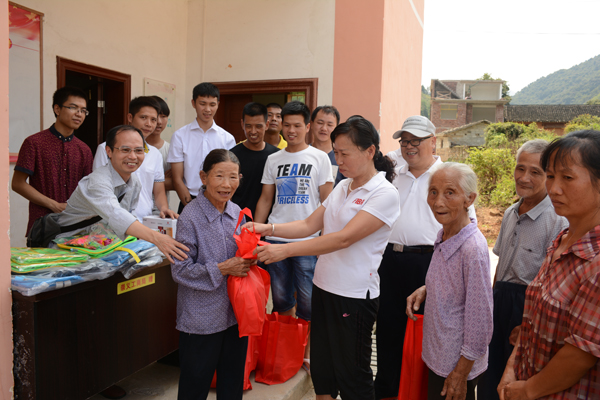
143 114
191 144
409 250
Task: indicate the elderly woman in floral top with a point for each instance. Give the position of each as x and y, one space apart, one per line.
457 325
556 356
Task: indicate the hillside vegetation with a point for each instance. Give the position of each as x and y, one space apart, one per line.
575 85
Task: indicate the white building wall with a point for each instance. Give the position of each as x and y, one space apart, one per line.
241 40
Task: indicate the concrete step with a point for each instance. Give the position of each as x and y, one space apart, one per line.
159 382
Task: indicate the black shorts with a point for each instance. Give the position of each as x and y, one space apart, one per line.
340 352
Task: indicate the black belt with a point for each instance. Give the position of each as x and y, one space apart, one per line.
399 248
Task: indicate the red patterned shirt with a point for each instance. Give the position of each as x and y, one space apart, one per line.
562 305
55 165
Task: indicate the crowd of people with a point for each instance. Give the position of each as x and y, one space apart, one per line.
356 239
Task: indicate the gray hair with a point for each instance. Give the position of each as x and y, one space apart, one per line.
467 180
535 146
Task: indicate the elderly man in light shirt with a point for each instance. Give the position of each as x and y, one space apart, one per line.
528 228
112 191
409 250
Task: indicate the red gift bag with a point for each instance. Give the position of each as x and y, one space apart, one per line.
249 294
247 241
251 360
414 376
281 350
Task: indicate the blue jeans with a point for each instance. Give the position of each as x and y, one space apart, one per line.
294 274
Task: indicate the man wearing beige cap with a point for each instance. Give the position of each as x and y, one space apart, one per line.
409 250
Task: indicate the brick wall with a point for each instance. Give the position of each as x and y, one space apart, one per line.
499 113
444 124
469 117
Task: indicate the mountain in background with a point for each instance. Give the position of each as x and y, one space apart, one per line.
575 85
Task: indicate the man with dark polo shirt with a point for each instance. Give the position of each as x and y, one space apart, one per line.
54 160
252 153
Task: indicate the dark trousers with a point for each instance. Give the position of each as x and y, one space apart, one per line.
181 206
341 343
509 300
400 275
435 384
201 355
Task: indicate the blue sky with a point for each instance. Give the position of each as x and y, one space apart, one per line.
516 40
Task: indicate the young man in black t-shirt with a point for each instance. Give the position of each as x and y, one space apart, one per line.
252 153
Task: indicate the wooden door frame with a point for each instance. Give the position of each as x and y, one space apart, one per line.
309 86
63 65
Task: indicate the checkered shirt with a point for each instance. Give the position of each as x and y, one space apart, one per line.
562 305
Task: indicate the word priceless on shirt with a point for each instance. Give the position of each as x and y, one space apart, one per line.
293 181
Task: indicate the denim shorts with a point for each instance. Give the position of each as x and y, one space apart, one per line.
294 274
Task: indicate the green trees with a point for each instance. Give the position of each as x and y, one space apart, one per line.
584 121
575 85
495 162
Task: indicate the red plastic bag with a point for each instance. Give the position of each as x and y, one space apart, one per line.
281 350
249 296
247 241
414 376
251 360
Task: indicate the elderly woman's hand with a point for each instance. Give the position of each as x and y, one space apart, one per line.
272 253
515 391
455 385
413 302
508 377
236 266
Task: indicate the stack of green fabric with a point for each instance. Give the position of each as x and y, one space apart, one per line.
25 259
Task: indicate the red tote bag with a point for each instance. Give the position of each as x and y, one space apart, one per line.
414 376
281 349
249 294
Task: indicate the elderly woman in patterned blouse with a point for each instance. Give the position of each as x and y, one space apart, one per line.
556 355
457 325
209 338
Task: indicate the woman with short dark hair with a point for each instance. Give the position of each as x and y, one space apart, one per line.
556 355
209 337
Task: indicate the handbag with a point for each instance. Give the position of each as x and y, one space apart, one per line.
247 241
414 375
249 295
281 349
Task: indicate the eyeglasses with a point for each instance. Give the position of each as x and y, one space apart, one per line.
127 150
77 110
413 142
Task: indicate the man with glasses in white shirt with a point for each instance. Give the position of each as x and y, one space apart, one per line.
410 248
143 115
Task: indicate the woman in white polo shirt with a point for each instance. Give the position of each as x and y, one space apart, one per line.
356 221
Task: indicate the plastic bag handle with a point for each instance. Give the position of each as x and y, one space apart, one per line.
246 211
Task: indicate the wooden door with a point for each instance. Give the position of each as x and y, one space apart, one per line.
229 114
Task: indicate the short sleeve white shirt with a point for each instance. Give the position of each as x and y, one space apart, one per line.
297 178
396 156
149 172
191 144
352 272
417 225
